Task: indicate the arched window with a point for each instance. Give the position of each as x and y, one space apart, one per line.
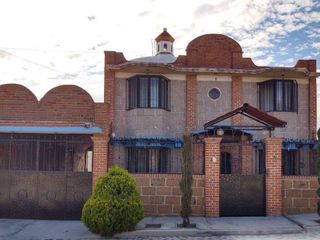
145 91
225 163
278 95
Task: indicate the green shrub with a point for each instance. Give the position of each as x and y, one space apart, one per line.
115 205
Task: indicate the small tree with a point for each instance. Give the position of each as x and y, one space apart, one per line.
186 181
318 166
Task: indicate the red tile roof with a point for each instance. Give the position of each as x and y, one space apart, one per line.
251 112
164 36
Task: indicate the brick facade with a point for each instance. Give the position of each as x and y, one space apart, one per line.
191 102
212 176
68 103
273 148
100 154
161 195
299 194
237 98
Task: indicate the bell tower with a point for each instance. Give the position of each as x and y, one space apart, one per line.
164 43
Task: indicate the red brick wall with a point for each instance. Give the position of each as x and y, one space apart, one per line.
312 108
299 194
67 103
161 195
191 102
17 103
64 103
311 65
246 155
236 97
273 176
100 154
212 176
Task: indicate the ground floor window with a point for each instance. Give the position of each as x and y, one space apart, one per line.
299 162
148 160
46 152
225 167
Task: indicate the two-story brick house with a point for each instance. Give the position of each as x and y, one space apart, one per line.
253 130
155 100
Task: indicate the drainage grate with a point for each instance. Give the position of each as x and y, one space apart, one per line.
153 225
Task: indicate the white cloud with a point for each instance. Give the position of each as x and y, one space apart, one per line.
62 42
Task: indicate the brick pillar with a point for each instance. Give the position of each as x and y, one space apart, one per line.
109 90
100 157
312 107
212 176
191 102
236 98
273 176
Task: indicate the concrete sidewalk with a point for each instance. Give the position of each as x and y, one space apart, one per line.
160 227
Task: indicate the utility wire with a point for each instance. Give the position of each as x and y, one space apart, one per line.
32 62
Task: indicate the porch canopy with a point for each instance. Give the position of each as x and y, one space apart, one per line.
50 130
264 121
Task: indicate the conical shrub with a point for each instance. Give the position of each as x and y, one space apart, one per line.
115 205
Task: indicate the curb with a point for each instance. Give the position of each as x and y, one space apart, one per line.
198 232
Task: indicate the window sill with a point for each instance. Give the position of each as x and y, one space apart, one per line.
168 110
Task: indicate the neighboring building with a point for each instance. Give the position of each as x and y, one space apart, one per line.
253 131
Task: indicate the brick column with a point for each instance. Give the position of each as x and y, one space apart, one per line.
236 97
100 157
273 176
191 102
212 176
312 107
246 157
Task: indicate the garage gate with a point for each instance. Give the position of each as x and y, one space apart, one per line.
44 176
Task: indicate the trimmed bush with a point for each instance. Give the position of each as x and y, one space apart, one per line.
115 205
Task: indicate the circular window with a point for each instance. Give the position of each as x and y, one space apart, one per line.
214 93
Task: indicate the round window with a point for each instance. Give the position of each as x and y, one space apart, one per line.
214 93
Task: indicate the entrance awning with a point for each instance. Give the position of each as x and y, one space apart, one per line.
265 120
50 130
147 142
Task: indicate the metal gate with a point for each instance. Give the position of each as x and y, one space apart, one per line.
44 176
242 195
242 179
43 195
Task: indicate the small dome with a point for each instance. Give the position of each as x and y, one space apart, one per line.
160 58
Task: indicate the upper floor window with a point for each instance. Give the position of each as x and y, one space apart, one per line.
278 96
148 92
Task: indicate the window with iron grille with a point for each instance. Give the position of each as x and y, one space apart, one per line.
146 91
148 160
299 162
278 96
46 152
225 163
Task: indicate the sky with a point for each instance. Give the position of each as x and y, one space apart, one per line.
45 43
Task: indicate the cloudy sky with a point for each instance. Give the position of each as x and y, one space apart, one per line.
48 43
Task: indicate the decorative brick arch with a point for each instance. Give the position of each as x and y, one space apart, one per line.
67 103
17 103
212 50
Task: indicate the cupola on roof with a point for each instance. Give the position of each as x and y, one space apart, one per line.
164 36
164 43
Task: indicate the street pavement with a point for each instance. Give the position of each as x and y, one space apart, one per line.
233 228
